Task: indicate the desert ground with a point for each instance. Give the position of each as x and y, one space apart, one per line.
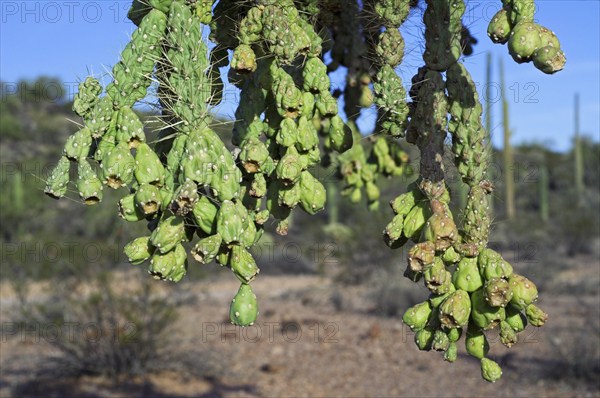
316 337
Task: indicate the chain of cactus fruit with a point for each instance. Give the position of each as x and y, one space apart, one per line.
527 40
471 286
198 196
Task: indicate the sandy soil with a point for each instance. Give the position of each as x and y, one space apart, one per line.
302 346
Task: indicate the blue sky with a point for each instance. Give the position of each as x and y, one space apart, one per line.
70 39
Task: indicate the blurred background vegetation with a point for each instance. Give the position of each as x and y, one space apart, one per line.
556 226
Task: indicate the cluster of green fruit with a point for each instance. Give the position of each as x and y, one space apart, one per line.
194 192
527 40
471 286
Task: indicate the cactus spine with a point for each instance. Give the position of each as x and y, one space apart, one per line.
508 161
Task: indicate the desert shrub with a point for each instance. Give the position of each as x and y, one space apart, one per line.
113 331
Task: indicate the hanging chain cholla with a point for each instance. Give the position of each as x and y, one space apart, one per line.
194 192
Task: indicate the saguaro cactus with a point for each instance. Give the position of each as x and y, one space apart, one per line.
543 183
578 153
508 160
198 196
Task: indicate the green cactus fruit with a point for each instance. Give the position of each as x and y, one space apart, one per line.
499 27
312 193
87 96
118 166
440 341
273 206
390 47
404 203
100 117
230 222
424 338
289 168
476 343
242 264
88 183
535 315
244 59
549 59
524 291
521 10
249 234
437 279
393 231
244 307
261 217
366 98
308 110
484 315
326 104
287 96
251 26
225 181
148 199
392 12
283 226
455 310
129 128
169 233
57 183
205 214
206 249
199 162
467 250
416 317
258 188
290 195
508 336
170 266
515 318
451 256
203 10
490 370
287 135
451 353
467 277
148 167
139 250
415 220
372 191
78 145
548 38
315 76
437 299
307 135
104 145
497 292
421 256
441 230
185 198
128 210
524 41
454 335
254 155
340 135
492 265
